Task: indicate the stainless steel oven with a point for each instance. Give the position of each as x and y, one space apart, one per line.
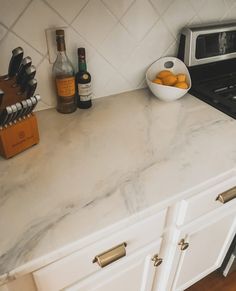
209 51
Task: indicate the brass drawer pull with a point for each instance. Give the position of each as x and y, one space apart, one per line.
111 255
157 261
227 195
183 245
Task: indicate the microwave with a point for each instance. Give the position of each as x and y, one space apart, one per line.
202 44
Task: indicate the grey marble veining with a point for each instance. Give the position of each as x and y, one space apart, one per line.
95 167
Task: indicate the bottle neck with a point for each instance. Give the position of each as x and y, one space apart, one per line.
61 46
62 55
82 65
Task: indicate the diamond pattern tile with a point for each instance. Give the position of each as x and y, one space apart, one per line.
134 69
11 9
139 18
44 73
94 22
218 9
118 46
101 72
118 8
197 5
3 31
70 10
32 28
174 17
122 38
157 41
74 41
161 5
117 83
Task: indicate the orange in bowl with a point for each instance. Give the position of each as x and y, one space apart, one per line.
158 81
181 78
163 74
169 80
181 85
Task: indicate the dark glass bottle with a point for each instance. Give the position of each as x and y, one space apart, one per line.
83 81
64 76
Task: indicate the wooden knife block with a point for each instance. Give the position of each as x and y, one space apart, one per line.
18 137
21 135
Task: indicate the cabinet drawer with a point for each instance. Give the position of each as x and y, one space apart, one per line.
206 201
76 266
134 273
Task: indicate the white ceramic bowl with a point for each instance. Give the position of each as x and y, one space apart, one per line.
167 93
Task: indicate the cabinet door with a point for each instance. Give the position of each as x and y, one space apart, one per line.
207 247
136 273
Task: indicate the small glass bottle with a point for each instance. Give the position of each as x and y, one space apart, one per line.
64 76
83 81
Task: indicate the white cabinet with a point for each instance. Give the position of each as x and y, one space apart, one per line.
80 264
24 283
203 225
206 246
136 273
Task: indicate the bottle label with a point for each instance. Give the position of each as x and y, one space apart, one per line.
66 87
85 91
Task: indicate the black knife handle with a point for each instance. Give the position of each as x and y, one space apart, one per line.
26 63
31 87
29 74
5 115
17 56
1 96
9 115
30 105
35 100
13 117
25 107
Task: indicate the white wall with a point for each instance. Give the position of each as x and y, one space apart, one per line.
122 37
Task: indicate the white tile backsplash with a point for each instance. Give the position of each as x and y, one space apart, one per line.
217 8
118 46
122 38
179 14
95 22
118 8
69 9
161 5
3 31
31 25
11 41
11 10
139 18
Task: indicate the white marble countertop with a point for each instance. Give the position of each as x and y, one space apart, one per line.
95 167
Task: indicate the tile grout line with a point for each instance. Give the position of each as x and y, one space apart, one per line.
55 11
77 15
25 41
19 16
10 29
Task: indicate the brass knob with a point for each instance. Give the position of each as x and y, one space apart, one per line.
183 245
157 261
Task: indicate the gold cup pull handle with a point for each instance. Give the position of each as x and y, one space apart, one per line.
183 245
111 255
227 195
156 260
